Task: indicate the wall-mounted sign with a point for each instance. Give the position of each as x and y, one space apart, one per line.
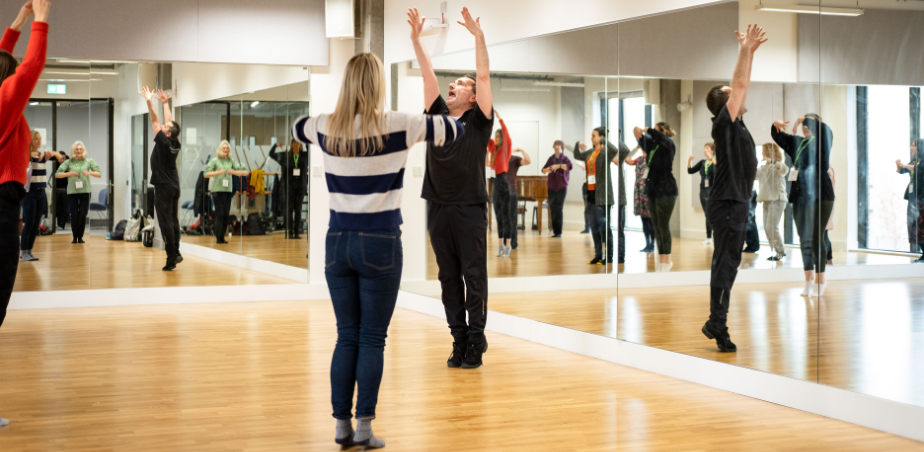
57 88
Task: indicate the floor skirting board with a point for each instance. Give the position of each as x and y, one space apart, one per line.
873 412
248 263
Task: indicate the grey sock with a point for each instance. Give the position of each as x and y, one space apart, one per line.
364 433
344 429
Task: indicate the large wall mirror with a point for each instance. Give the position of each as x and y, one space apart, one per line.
829 268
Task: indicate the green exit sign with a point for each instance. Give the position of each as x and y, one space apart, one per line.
57 89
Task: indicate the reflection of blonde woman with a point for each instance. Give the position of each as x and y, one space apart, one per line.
220 170
34 205
773 195
78 170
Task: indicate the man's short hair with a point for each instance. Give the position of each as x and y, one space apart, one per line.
558 143
716 99
474 80
175 130
601 131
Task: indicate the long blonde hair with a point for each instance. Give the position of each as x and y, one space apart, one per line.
31 148
774 151
362 94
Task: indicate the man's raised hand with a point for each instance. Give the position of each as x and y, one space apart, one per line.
162 97
147 93
472 25
752 38
416 21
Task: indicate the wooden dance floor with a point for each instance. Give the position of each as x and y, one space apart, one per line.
864 336
105 264
272 247
541 255
255 377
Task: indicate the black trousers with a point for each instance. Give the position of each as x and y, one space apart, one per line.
33 208
167 205
621 233
556 208
602 232
590 208
648 229
500 198
458 235
222 201
11 194
704 200
753 238
729 222
514 217
295 196
79 206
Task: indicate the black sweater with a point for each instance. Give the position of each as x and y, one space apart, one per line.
661 180
813 162
700 168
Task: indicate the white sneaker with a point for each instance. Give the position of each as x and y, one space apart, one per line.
821 289
707 242
507 252
4 422
500 251
807 292
667 267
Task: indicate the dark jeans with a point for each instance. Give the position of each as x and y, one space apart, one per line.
556 208
79 206
811 233
661 208
648 229
621 233
222 201
729 222
295 197
514 217
501 201
830 252
166 205
11 194
33 208
752 238
590 208
363 271
704 200
601 230
458 235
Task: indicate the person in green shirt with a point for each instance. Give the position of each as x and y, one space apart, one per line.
220 171
78 170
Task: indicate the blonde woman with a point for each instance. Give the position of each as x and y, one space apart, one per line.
221 170
365 151
78 170
35 204
772 177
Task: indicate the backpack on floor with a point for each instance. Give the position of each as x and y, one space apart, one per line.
119 232
132 230
255 225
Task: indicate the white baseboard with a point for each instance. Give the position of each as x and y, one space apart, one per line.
873 412
248 263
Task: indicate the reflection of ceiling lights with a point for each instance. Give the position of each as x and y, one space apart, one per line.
544 83
82 73
803 9
254 104
33 103
70 80
538 90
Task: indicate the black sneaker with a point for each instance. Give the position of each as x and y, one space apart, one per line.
722 339
80 241
596 261
586 231
179 258
773 258
170 266
458 354
473 355
556 236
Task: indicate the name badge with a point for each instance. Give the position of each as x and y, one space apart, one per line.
225 183
645 174
296 172
706 183
910 189
78 185
591 180
794 175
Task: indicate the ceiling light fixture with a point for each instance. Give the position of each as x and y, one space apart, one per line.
803 9
82 73
254 104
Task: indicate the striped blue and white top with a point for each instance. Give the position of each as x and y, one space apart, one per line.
39 172
365 191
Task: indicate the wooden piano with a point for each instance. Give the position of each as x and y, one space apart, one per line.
529 188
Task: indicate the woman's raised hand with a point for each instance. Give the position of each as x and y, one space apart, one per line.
42 8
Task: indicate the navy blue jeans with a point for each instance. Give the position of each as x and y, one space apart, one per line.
600 231
33 209
363 272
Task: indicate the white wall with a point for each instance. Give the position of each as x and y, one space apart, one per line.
199 82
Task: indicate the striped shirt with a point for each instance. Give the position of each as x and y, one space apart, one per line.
39 172
365 191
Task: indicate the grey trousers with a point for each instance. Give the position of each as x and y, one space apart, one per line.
773 212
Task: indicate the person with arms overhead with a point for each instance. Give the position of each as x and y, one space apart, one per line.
77 170
600 186
17 81
659 151
772 178
736 169
365 149
641 199
454 184
498 159
164 176
558 167
513 166
706 171
294 165
220 171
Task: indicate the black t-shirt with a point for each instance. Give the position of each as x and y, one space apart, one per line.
455 173
736 159
163 160
661 180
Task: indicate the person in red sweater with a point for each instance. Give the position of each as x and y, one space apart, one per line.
16 84
498 159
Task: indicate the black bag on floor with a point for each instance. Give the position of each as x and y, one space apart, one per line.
119 232
147 237
254 225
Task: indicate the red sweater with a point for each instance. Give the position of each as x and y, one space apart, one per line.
14 95
500 157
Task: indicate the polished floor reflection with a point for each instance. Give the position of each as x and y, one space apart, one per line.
254 376
272 247
105 264
867 337
542 255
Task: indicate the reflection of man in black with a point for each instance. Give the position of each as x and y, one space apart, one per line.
752 238
736 169
294 165
164 176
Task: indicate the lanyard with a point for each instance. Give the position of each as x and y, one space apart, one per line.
805 144
707 167
652 153
592 163
77 166
295 157
912 170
